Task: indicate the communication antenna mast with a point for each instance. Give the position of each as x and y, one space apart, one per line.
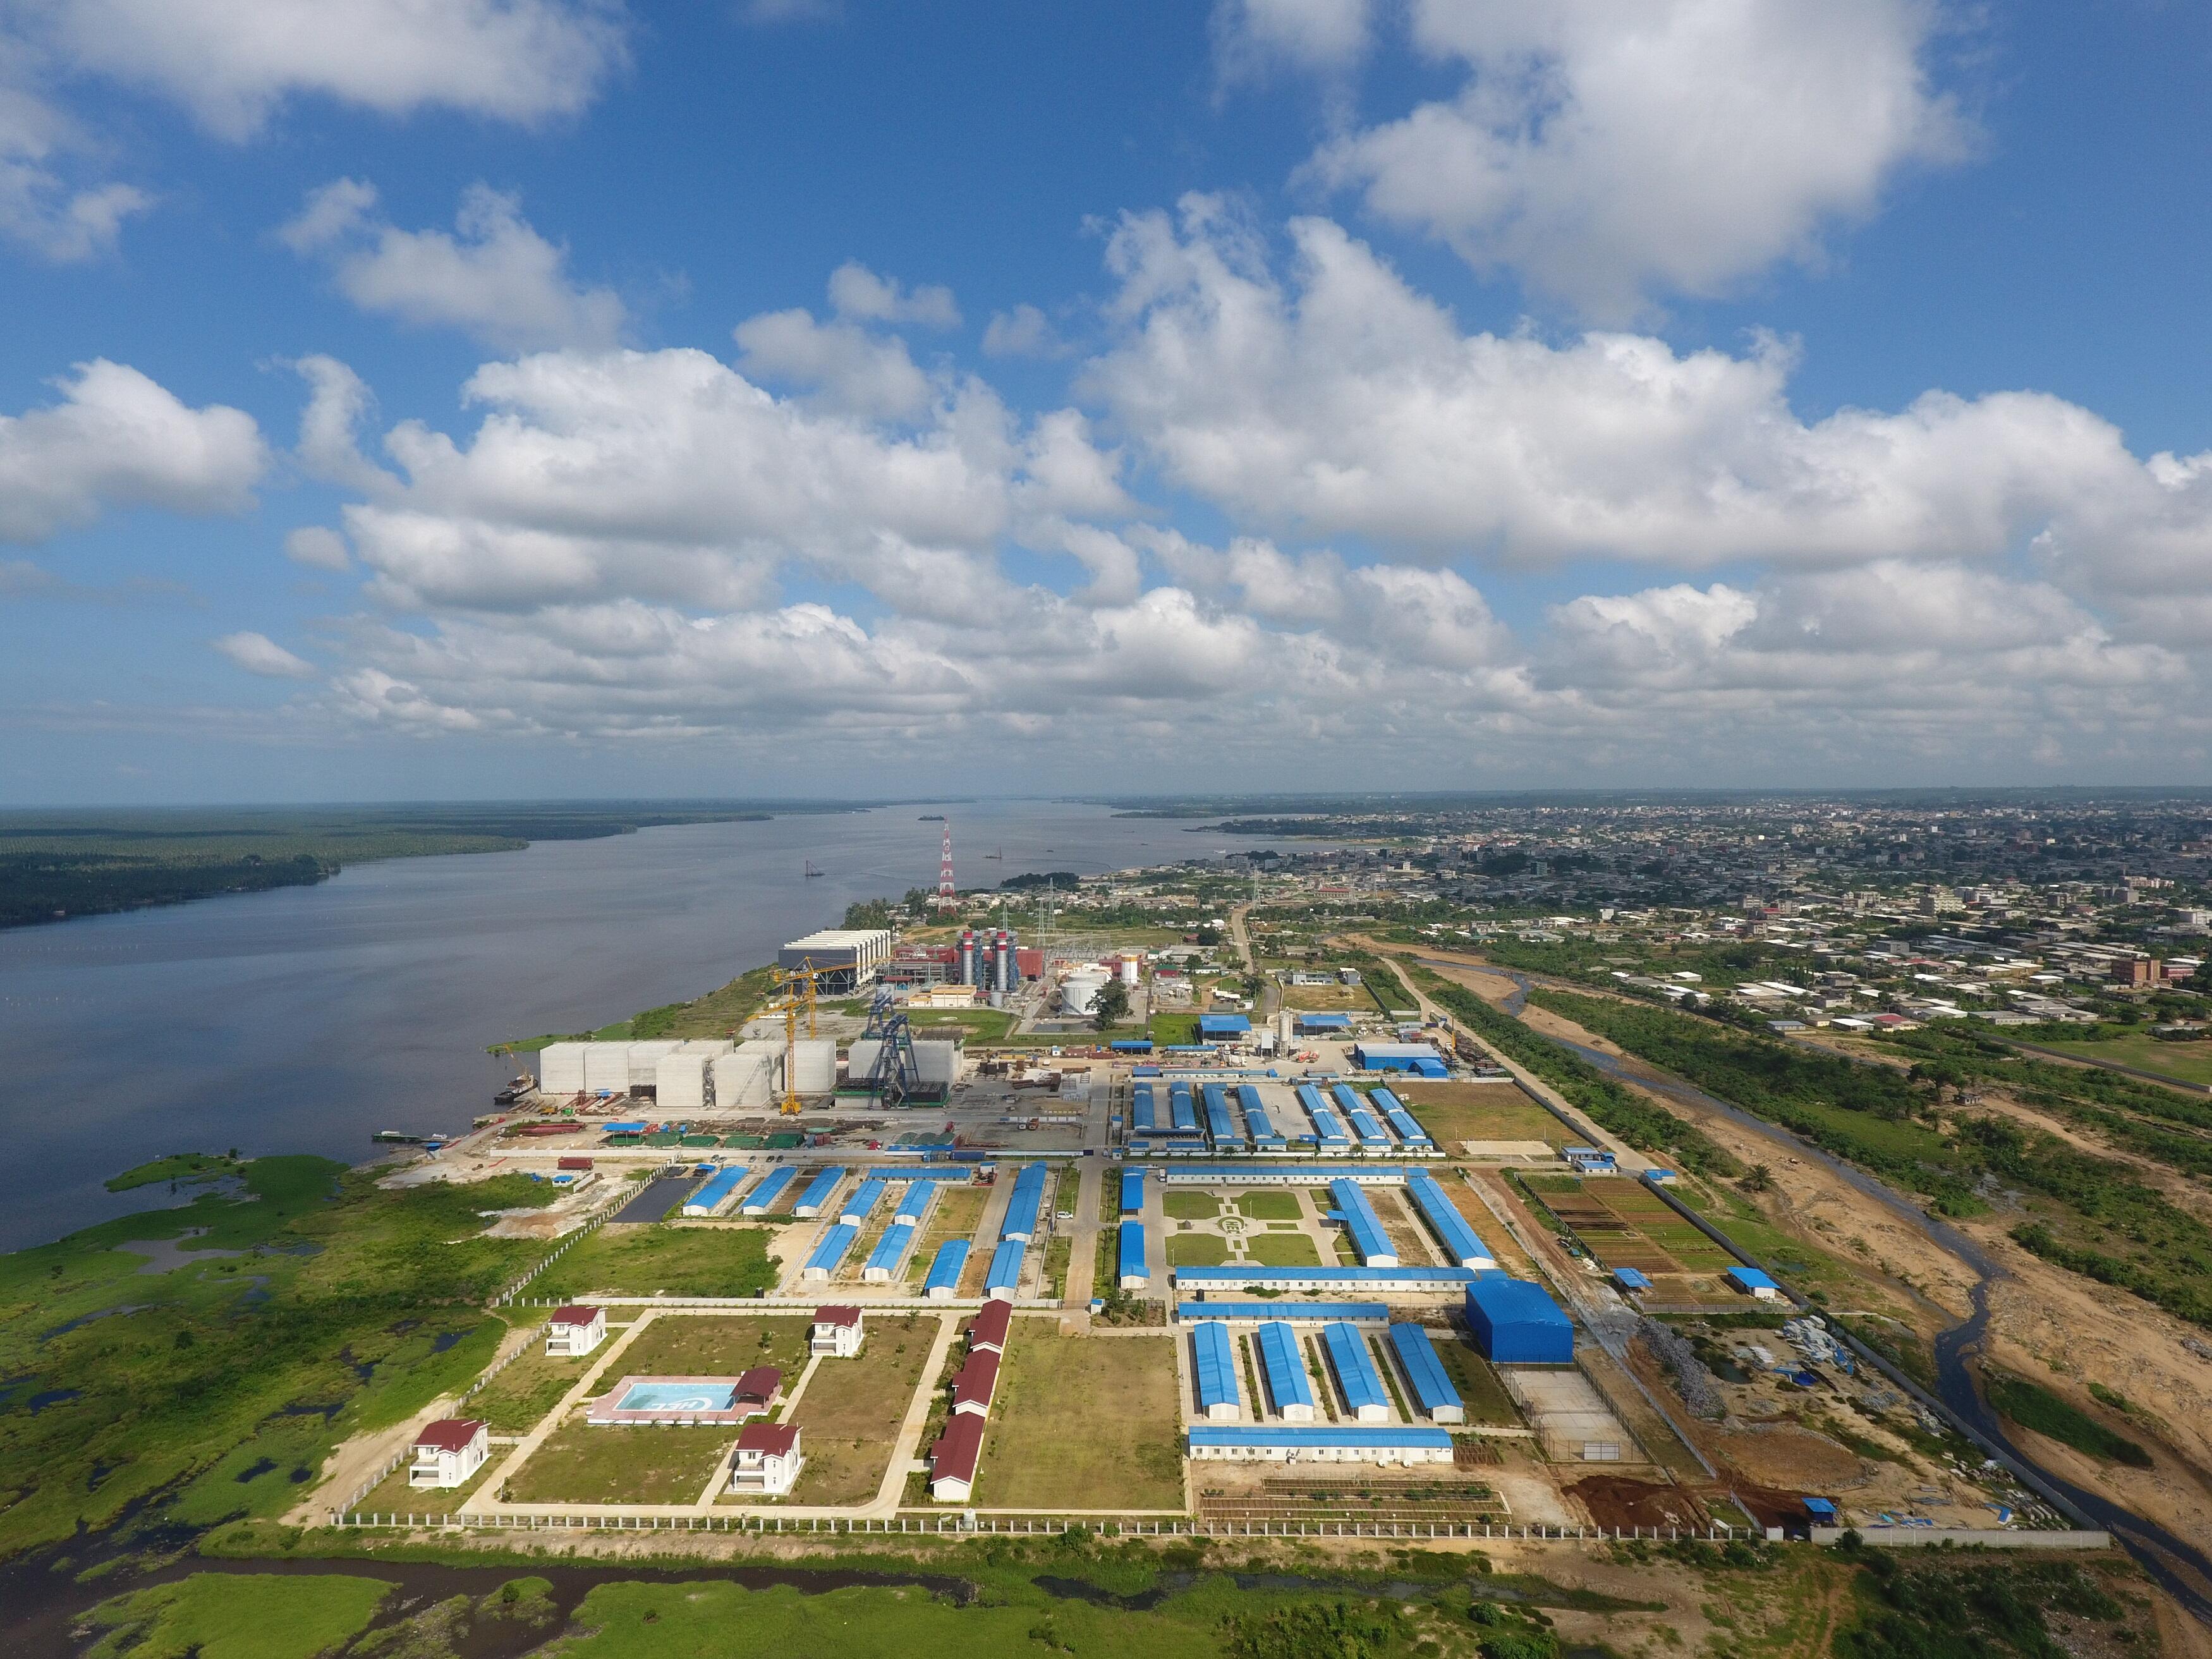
945 888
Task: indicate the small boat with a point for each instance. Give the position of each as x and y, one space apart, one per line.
998 853
931 817
811 873
398 1137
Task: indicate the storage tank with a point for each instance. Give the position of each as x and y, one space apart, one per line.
606 1067
814 1065
561 1067
1129 967
1078 993
681 1083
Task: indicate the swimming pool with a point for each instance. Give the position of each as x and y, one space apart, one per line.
677 1397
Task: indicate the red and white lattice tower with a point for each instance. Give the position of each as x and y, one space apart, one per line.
944 888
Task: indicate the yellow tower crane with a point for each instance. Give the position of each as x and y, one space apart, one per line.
794 991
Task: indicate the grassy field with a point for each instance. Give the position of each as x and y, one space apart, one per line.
984 1025
1453 1112
956 1214
852 1410
713 1344
1174 1030
1197 1249
190 1167
1087 1421
1329 998
2034 1406
579 1464
639 1261
1184 1206
1269 1204
1283 1250
214 1615
517 1400
2190 1061
1487 1402
224 1384
712 1619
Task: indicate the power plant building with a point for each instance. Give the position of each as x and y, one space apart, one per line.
844 959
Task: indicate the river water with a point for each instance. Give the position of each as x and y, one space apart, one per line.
304 1019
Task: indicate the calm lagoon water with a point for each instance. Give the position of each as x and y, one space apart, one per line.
305 1020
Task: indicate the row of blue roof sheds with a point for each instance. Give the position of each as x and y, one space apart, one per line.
1132 1273
1358 1381
1220 1127
1434 1397
817 1193
1024 1204
1004 1277
1282 1369
1259 1128
1214 1371
1517 1323
1132 1192
759 1200
1143 1114
830 1252
1374 1245
889 1255
945 1269
1462 1243
1182 1111
862 1204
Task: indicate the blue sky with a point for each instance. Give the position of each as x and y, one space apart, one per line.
526 397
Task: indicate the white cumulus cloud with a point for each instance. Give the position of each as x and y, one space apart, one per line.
1339 402
232 65
856 291
257 654
496 278
119 439
1602 150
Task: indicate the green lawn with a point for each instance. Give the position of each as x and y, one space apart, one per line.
222 1616
641 1260
1183 1206
1174 1031
715 1344
1487 1402
2190 1061
1090 1422
710 1619
1283 1250
579 1464
1269 1204
517 1400
1197 1249
851 1411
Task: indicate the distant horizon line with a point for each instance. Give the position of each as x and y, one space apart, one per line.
1227 801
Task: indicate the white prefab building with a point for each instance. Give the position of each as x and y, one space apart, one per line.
845 958
575 1330
768 1459
837 1332
447 1452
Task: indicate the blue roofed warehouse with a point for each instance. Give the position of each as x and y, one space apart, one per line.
1517 1323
